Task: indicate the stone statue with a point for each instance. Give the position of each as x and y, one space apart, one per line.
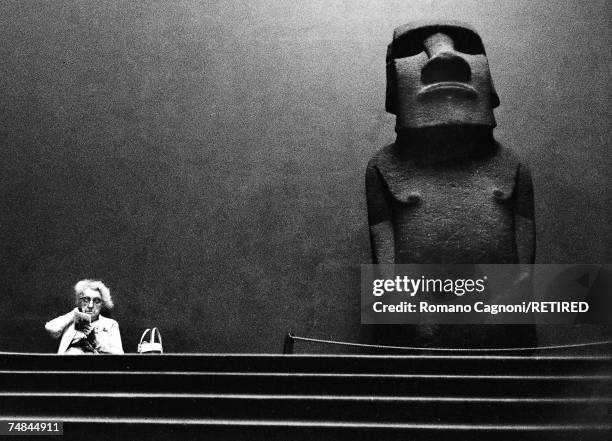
445 191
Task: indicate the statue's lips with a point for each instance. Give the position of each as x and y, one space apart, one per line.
448 88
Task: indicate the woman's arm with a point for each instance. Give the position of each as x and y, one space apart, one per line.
56 327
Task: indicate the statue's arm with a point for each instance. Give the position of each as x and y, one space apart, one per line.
524 233
524 219
379 218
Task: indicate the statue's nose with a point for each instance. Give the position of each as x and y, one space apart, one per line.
444 64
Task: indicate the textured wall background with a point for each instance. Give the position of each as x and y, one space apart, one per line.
206 159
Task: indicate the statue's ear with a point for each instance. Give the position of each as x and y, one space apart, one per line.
494 96
391 81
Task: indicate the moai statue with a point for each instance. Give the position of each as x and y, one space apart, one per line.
445 191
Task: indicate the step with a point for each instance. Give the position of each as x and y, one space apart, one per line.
135 429
311 383
392 409
349 364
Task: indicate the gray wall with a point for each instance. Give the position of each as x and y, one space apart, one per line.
206 159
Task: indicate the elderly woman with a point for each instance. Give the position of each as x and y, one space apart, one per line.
83 330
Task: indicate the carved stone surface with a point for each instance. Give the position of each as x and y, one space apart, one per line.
445 191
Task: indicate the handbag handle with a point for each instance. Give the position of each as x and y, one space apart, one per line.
158 337
143 336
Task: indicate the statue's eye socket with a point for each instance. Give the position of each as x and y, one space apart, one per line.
408 48
467 43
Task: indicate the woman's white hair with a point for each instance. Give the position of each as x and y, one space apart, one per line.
96 285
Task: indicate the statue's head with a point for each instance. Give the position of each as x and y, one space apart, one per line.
438 75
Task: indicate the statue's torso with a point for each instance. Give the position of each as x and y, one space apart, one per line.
458 211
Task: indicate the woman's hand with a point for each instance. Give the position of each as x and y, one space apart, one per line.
91 334
87 329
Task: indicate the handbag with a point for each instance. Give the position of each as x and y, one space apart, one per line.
151 346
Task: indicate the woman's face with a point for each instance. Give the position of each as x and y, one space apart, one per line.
90 302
